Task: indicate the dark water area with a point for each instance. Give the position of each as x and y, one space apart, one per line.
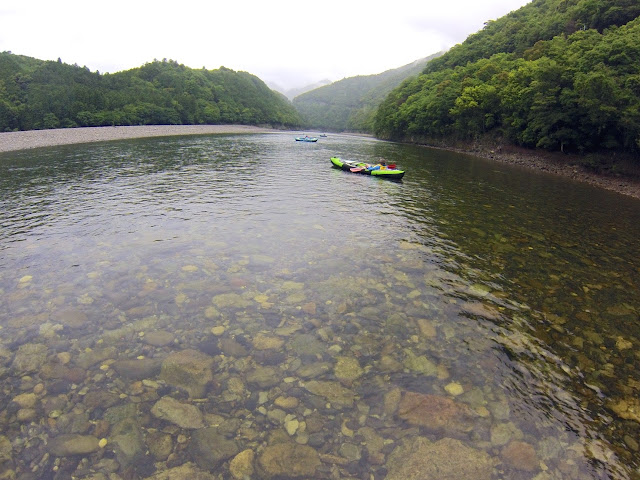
230 306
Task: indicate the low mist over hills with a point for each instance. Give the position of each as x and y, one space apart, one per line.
291 93
351 104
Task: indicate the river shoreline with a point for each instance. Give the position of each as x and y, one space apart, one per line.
553 164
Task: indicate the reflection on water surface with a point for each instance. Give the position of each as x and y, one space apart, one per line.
232 307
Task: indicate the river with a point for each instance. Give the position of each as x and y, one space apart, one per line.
232 306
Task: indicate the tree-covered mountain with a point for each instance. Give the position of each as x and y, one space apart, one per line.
559 75
351 104
37 94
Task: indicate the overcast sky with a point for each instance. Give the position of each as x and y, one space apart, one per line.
289 43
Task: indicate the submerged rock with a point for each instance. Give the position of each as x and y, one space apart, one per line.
91 357
128 442
307 344
118 413
26 400
420 364
209 448
502 433
160 445
186 471
267 342
454 388
627 408
71 318
521 456
348 369
288 460
264 377
241 466
182 414
335 393
158 338
29 358
73 444
188 369
6 453
313 370
233 348
436 413
230 300
447 459
138 369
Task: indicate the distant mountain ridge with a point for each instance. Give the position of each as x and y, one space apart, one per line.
351 104
291 93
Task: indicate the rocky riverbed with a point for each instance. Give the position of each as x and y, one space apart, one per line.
233 388
215 360
152 400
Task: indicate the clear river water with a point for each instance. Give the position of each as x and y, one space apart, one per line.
230 306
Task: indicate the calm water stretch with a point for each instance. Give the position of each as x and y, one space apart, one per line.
232 307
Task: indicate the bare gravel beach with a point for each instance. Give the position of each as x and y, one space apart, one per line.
12 141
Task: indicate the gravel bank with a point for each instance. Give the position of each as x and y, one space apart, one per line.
11 141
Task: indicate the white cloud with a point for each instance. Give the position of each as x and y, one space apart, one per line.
283 41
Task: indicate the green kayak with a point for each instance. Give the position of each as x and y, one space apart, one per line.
376 170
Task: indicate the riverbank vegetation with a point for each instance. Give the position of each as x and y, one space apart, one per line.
37 94
556 75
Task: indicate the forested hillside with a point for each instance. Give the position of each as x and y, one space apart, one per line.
561 75
36 94
351 104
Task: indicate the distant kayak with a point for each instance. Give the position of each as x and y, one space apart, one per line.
306 138
377 170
